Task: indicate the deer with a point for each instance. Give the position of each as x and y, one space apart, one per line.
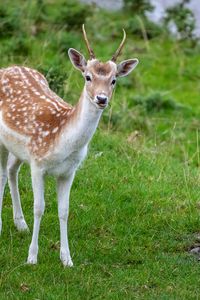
39 128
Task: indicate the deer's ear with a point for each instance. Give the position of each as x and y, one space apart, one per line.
126 66
77 59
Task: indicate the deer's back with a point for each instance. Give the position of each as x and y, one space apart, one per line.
30 109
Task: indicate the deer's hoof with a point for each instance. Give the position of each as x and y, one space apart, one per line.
66 260
32 260
21 225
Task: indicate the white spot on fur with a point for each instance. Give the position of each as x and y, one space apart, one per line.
45 133
55 130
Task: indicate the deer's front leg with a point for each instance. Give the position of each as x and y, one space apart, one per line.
39 205
3 176
63 187
12 169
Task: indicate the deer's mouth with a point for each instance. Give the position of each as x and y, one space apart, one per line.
101 105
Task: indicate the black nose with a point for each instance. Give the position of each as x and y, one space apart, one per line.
102 99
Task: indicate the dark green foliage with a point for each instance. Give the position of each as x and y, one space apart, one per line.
21 46
74 14
67 41
55 77
136 25
71 14
183 18
137 22
156 102
9 21
138 6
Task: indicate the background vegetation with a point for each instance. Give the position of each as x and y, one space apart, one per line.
134 211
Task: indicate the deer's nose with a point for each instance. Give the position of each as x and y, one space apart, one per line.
102 99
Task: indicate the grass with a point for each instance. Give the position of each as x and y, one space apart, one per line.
129 236
134 209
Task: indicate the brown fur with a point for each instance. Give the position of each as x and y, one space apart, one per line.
103 69
30 108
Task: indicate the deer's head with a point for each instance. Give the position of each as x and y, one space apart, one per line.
100 78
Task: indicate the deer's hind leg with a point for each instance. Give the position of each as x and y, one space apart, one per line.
3 176
13 168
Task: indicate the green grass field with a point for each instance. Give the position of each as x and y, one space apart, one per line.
135 202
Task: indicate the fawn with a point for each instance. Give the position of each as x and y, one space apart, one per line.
38 127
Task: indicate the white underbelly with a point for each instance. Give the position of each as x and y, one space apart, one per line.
13 141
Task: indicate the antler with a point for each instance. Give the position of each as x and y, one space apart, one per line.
91 52
117 53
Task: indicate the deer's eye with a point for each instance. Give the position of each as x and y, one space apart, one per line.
88 78
113 82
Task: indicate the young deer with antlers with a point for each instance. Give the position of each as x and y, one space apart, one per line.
38 127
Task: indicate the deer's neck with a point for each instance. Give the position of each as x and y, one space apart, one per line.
83 123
